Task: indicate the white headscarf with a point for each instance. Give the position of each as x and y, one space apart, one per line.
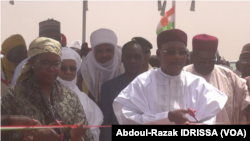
92 111
76 44
108 70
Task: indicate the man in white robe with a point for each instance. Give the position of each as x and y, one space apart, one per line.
162 96
224 79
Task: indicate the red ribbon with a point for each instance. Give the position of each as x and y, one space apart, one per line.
56 126
4 81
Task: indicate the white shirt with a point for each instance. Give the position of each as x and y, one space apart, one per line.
150 96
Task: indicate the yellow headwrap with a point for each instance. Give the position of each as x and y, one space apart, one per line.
38 46
7 66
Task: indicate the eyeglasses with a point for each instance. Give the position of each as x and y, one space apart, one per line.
245 61
212 61
46 65
71 68
173 52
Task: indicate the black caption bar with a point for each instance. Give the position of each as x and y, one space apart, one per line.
177 131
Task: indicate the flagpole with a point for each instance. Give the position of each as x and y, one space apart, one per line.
84 21
174 4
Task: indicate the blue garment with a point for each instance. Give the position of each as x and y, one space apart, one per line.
79 72
109 91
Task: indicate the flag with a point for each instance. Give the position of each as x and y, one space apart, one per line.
167 21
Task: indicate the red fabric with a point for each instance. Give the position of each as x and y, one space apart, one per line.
90 49
4 81
204 42
171 35
64 39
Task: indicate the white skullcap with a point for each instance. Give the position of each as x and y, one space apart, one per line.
76 44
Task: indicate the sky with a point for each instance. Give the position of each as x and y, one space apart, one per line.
227 20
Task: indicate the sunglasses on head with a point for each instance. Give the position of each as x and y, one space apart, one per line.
71 68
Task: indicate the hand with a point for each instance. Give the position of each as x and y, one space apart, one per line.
78 132
178 116
22 120
45 135
55 123
28 135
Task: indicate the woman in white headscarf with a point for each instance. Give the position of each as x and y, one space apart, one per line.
71 63
104 60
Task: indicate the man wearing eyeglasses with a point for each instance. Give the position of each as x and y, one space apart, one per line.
204 65
147 46
163 95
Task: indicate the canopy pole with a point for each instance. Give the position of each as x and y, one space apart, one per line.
174 5
84 21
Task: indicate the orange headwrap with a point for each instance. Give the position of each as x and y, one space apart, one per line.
11 42
8 67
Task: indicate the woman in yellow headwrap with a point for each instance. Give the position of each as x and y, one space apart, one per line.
38 94
14 51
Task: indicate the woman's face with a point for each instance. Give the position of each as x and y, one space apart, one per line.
68 70
46 67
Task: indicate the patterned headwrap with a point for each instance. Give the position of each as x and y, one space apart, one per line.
38 46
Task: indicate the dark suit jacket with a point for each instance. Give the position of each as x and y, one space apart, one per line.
109 91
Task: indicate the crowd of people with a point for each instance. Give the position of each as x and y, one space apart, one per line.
52 83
